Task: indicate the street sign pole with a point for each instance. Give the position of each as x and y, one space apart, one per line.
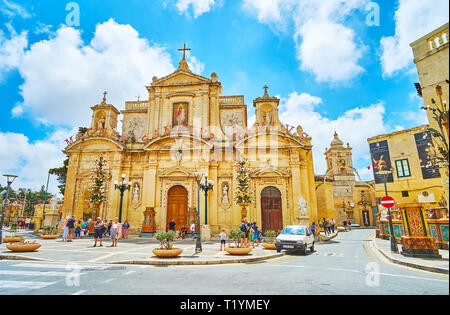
388 203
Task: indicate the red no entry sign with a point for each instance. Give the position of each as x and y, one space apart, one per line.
387 202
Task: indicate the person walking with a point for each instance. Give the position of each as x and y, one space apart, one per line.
192 230
257 233
183 232
65 230
349 224
27 222
325 226
125 229
115 232
109 227
99 230
71 226
313 229
345 225
223 240
78 230
83 229
333 223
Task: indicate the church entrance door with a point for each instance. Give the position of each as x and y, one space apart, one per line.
177 206
272 216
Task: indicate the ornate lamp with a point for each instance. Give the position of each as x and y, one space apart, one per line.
122 187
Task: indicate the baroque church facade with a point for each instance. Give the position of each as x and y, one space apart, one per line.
187 127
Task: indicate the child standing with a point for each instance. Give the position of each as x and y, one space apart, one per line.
223 239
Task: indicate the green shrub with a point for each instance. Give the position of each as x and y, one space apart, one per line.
270 233
166 239
236 236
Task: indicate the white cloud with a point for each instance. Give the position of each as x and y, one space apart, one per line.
64 77
198 6
31 160
12 9
413 19
354 126
11 51
195 65
325 46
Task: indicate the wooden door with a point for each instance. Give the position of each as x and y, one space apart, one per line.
272 215
177 206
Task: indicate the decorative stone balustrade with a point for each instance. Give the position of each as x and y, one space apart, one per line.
231 100
438 40
140 105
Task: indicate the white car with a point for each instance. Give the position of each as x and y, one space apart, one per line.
295 237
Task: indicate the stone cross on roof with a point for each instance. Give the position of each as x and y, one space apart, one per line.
184 49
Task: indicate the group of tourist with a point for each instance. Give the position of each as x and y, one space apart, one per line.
25 223
329 226
252 234
183 231
79 229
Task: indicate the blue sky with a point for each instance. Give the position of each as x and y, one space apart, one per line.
332 71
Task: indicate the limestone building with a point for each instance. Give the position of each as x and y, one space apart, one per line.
414 179
339 194
184 128
431 56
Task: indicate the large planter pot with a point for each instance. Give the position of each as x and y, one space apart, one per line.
12 239
238 251
269 246
49 237
18 247
167 253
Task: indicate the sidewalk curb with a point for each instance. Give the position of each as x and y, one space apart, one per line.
17 257
411 265
195 262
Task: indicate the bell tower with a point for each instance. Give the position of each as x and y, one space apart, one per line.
104 117
267 111
339 158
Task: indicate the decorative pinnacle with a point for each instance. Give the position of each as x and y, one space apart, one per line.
265 87
104 97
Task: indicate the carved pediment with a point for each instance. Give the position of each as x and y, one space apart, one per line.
271 171
176 172
180 77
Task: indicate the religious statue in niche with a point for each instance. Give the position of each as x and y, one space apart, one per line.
267 118
225 201
180 114
136 196
101 123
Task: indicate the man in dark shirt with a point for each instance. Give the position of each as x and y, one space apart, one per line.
71 226
99 229
172 225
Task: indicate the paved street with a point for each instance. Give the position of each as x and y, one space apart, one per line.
338 267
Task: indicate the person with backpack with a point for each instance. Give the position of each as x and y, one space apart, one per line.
71 226
325 226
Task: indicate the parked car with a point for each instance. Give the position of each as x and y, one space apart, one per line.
295 237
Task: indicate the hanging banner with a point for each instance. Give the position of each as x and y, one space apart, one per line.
426 151
381 161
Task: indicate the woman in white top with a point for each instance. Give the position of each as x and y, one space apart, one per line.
66 230
116 229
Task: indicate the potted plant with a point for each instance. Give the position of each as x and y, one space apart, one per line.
236 236
269 240
166 249
49 233
23 246
13 238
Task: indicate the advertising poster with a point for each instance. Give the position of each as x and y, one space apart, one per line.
381 161
426 152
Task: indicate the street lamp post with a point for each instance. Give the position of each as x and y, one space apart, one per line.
9 179
394 247
206 187
122 186
198 244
